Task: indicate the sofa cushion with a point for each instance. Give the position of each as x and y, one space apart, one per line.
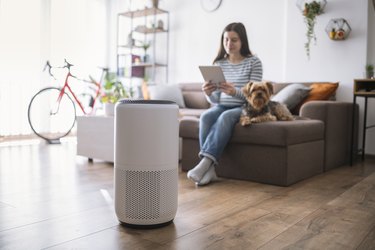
194 100
291 95
279 133
189 127
193 95
167 92
322 91
191 112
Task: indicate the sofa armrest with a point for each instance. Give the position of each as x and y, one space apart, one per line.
337 118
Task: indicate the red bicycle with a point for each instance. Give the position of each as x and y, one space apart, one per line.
52 111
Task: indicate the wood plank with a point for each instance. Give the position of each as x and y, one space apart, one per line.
13 217
369 241
309 195
360 196
247 229
325 229
57 230
343 223
108 239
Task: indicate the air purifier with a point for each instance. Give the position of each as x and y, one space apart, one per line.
146 162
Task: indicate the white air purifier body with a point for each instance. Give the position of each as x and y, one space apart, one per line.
146 162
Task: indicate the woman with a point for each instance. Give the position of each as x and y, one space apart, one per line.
216 124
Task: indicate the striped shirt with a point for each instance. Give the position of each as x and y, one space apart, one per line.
250 69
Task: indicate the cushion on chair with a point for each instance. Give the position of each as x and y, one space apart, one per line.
291 95
278 133
321 91
169 92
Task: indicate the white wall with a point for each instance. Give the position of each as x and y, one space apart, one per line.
195 34
370 138
78 33
276 32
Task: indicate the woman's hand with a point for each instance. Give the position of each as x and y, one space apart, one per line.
208 88
228 88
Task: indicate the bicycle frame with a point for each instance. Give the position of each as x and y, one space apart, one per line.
66 85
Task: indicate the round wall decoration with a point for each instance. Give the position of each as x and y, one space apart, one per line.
210 5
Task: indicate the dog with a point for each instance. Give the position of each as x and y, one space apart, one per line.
259 107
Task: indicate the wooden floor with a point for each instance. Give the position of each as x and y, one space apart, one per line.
52 199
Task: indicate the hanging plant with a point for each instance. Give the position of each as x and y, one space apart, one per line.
310 12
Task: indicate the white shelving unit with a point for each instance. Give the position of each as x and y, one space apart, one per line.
134 29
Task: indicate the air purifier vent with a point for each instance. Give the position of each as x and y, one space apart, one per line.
146 195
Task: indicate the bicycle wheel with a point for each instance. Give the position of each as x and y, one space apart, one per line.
49 119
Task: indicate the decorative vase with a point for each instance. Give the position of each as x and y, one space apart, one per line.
338 29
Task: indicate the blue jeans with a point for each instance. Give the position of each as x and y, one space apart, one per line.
215 129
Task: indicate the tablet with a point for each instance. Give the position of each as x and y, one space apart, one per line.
212 73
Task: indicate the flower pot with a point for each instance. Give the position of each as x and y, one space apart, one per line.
369 74
332 35
109 109
146 58
155 3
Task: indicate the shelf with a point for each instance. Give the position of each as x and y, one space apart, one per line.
145 30
127 46
149 65
364 87
142 64
144 12
365 93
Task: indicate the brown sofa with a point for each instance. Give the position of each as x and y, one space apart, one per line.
278 153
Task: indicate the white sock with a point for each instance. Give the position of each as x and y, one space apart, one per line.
196 174
209 176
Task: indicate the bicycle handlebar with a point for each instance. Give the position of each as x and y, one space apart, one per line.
104 69
48 65
68 65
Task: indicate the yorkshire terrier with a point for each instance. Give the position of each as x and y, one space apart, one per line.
259 107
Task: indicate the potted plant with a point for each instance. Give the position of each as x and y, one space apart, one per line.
145 47
369 71
310 12
113 90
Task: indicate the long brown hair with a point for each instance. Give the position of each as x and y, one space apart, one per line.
239 28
